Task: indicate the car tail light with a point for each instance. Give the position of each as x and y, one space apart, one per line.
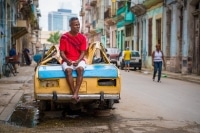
107 82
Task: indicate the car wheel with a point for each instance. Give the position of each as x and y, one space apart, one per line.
110 103
139 68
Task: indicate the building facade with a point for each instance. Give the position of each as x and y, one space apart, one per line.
181 37
18 22
172 23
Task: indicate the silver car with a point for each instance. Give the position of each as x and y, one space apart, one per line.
135 61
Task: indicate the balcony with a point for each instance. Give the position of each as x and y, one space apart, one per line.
38 12
110 22
138 9
82 13
36 3
149 3
87 25
93 2
87 7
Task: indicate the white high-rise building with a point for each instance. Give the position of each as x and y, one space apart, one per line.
59 21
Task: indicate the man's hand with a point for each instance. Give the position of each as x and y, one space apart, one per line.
69 62
75 63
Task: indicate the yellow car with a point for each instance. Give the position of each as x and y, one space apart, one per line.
101 84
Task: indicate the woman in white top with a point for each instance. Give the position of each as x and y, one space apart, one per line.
157 61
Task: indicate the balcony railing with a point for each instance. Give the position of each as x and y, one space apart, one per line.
93 2
82 13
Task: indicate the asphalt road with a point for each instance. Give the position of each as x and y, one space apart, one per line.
171 106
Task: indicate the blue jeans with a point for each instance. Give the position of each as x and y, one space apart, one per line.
157 67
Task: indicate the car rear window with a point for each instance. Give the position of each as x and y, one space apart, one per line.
113 51
135 54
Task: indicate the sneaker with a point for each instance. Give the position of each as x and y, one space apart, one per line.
159 81
153 79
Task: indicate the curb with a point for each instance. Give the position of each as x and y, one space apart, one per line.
9 109
188 78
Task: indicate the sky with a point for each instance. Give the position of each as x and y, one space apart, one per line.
47 6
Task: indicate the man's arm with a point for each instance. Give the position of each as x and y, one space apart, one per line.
62 54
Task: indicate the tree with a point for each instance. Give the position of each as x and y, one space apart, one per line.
54 38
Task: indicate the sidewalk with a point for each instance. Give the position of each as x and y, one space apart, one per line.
191 78
12 88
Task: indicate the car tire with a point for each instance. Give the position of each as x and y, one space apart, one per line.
139 68
110 103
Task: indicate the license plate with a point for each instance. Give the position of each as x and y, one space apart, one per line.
133 61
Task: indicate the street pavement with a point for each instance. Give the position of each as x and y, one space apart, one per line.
12 88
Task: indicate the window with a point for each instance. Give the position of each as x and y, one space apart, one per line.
135 54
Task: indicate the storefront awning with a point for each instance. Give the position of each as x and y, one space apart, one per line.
19 30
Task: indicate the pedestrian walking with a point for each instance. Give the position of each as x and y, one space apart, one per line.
157 61
127 58
72 50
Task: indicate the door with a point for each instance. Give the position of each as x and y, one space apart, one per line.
150 37
196 50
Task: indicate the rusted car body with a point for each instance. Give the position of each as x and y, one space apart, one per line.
100 87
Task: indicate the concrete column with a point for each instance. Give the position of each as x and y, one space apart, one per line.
174 58
144 43
135 35
185 43
164 26
173 41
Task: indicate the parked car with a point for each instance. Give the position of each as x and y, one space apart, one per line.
135 61
113 55
100 88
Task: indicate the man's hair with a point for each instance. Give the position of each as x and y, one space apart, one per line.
72 19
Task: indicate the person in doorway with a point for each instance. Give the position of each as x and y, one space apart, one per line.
27 56
157 61
13 58
127 58
72 50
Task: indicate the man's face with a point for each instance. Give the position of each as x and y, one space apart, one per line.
75 26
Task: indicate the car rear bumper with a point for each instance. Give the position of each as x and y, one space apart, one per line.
82 97
135 64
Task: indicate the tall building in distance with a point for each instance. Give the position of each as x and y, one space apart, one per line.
59 20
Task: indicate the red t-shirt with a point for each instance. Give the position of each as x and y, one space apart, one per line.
72 45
